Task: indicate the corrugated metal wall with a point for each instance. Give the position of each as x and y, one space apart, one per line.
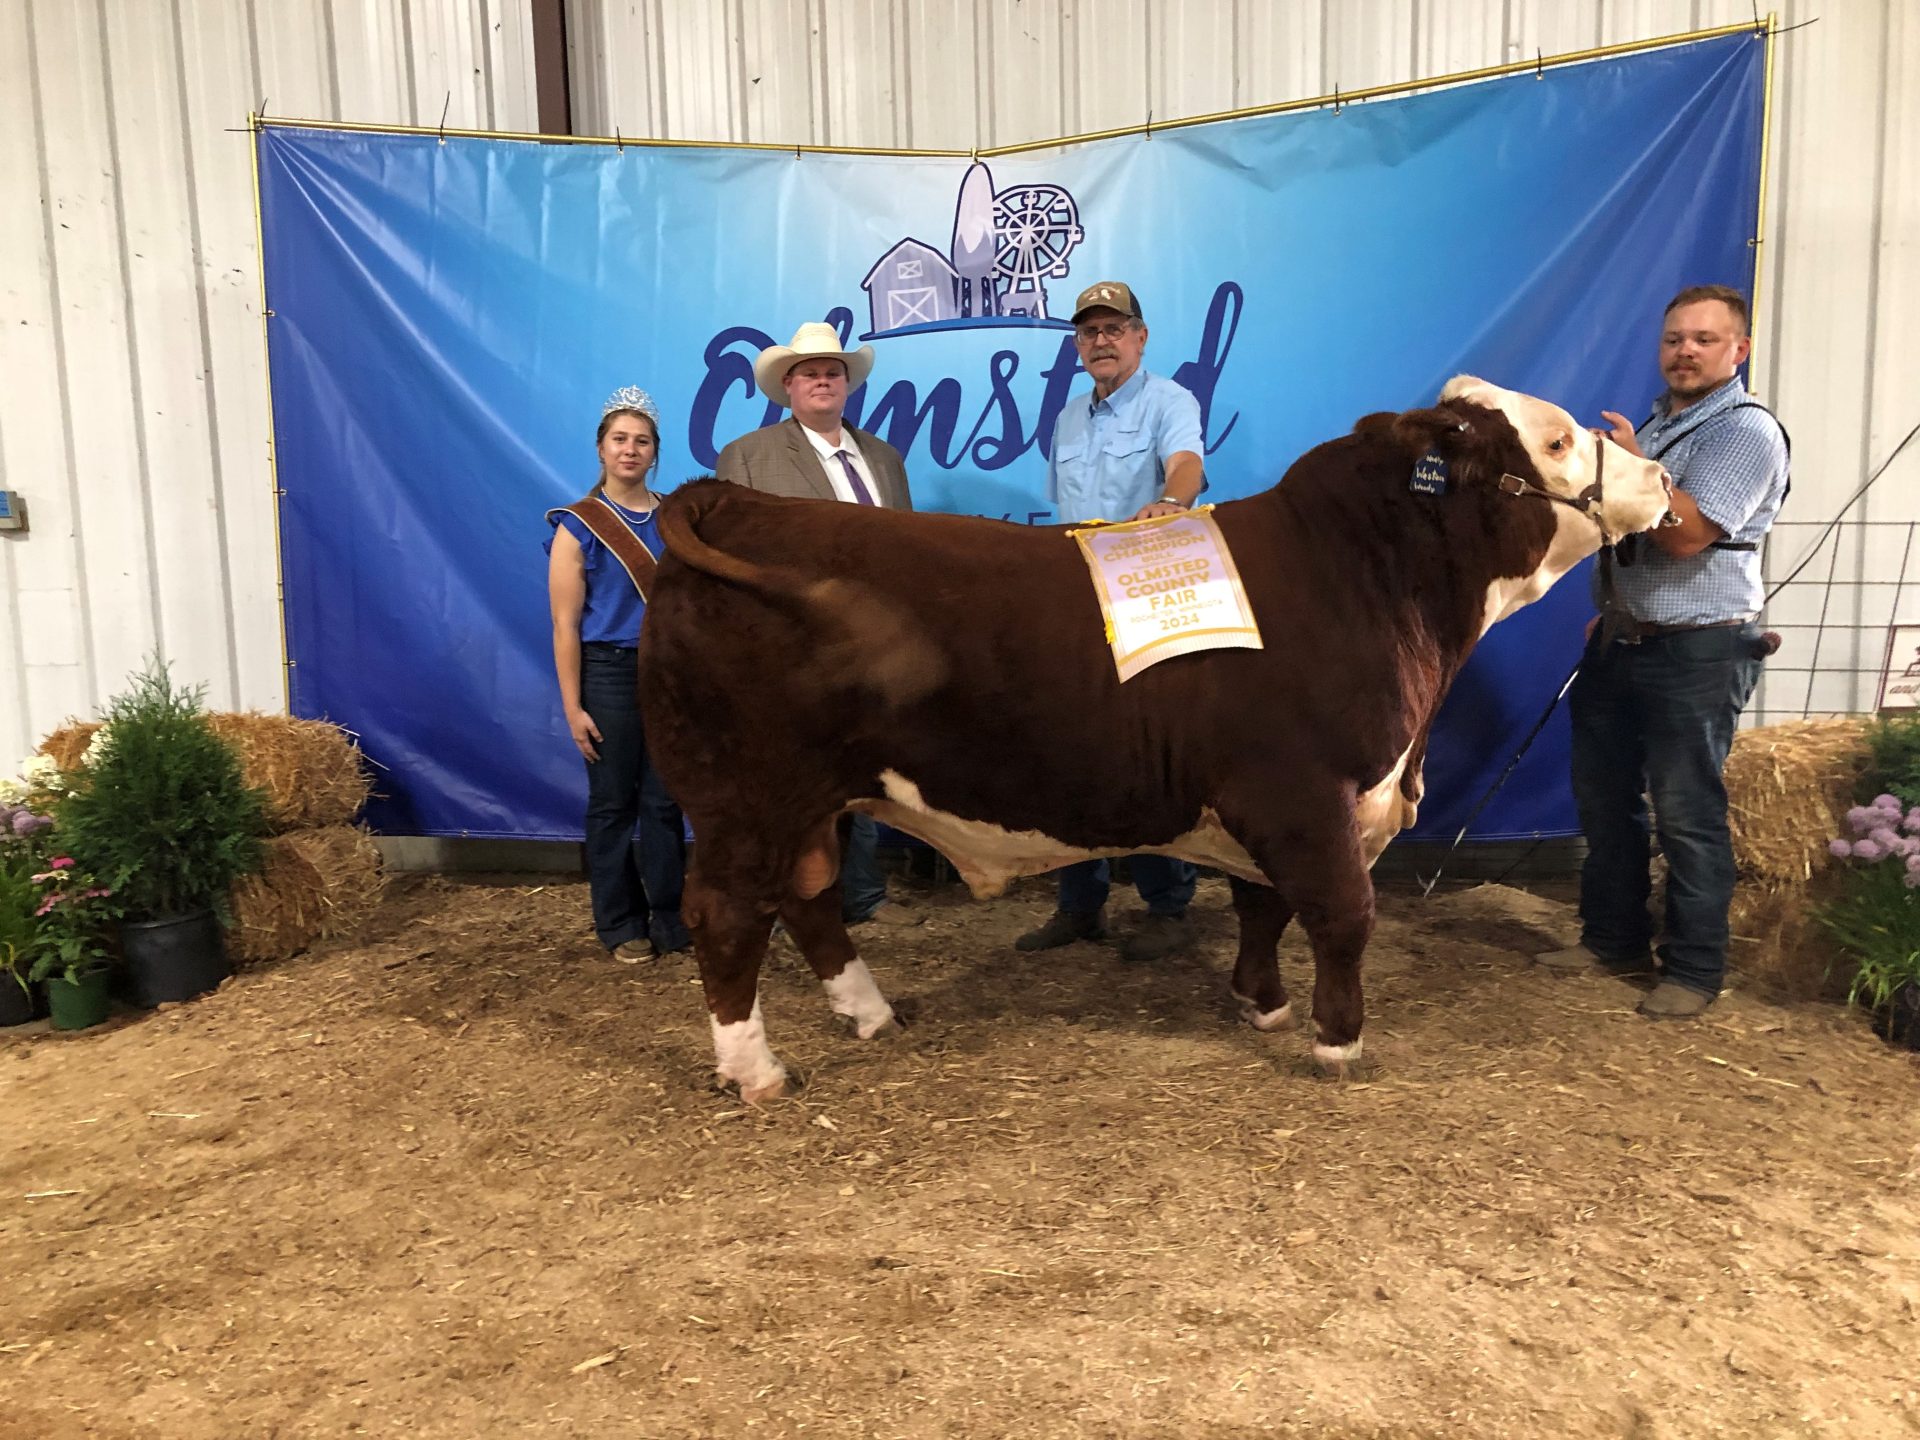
133 416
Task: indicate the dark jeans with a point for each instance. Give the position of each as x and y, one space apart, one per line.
1164 883
636 879
863 885
1658 718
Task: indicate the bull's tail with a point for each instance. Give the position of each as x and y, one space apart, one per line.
871 642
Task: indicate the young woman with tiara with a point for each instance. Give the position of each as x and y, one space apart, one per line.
600 563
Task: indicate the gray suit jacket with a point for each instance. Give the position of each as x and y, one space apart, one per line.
782 461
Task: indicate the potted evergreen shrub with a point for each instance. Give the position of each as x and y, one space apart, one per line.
160 813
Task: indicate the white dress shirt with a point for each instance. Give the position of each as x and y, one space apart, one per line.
836 474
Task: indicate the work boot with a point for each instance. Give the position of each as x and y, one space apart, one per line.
1671 1000
1064 927
892 913
1579 960
1158 937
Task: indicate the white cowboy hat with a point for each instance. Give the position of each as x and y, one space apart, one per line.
814 340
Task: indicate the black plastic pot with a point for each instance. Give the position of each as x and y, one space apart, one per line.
173 959
1900 1021
17 1004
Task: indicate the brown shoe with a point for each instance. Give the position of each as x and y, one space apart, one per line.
1671 1000
1064 927
1158 937
632 952
1579 960
892 912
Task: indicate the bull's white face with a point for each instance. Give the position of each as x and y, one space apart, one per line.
1568 458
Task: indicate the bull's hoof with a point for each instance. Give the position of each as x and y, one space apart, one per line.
856 1028
887 1029
764 1088
1267 1021
1334 1059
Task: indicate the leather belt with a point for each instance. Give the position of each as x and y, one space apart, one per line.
1632 632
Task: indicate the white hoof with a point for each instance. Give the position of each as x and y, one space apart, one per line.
1334 1059
1267 1021
853 994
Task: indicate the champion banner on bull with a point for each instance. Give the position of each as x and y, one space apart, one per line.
447 315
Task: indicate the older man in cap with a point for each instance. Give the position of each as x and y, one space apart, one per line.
815 454
1129 450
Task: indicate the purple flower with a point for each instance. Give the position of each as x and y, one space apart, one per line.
1911 880
25 822
1888 842
1840 849
1887 802
1866 850
1913 863
1863 818
1912 822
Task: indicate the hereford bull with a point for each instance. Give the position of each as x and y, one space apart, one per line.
950 676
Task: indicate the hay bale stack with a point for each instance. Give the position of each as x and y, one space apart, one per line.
314 884
1788 790
308 770
321 876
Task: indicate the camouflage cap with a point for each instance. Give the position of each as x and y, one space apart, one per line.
1107 295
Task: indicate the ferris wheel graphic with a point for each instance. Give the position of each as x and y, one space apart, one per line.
1035 227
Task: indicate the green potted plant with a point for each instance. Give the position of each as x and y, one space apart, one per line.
70 954
160 813
1876 917
21 828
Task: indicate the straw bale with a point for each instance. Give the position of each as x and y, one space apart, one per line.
67 744
308 770
1788 790
315 884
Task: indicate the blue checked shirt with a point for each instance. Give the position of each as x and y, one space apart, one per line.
1734 466
1110 456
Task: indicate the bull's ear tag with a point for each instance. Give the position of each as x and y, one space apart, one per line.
1429 475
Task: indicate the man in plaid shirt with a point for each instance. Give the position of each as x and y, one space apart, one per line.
1670 663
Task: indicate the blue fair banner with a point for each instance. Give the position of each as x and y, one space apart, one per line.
446 317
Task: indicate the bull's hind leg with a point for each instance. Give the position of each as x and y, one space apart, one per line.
1256 974
730 935
821 934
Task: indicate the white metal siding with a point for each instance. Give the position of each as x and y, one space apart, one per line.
134 417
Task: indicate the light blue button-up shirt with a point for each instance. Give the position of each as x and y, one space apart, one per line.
1110 456
1733 463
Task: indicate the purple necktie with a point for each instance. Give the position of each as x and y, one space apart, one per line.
860 491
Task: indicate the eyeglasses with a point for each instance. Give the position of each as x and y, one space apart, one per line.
1087 334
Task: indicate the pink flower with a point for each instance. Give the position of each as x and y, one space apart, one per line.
1863 818
1912 822
1913 864
1866 850
60 862
48 903
92 894
1840 849
1887 802
1888 842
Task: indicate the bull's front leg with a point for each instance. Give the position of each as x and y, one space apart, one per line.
821 934
1256 974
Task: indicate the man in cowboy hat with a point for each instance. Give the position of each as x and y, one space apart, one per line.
815 454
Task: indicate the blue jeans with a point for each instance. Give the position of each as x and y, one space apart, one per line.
1164 883
863 885
635 878
1658 718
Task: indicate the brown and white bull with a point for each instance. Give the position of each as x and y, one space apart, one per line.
950 676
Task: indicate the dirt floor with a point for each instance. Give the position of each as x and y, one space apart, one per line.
465 1176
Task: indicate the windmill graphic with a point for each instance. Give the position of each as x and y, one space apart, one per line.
1006 245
